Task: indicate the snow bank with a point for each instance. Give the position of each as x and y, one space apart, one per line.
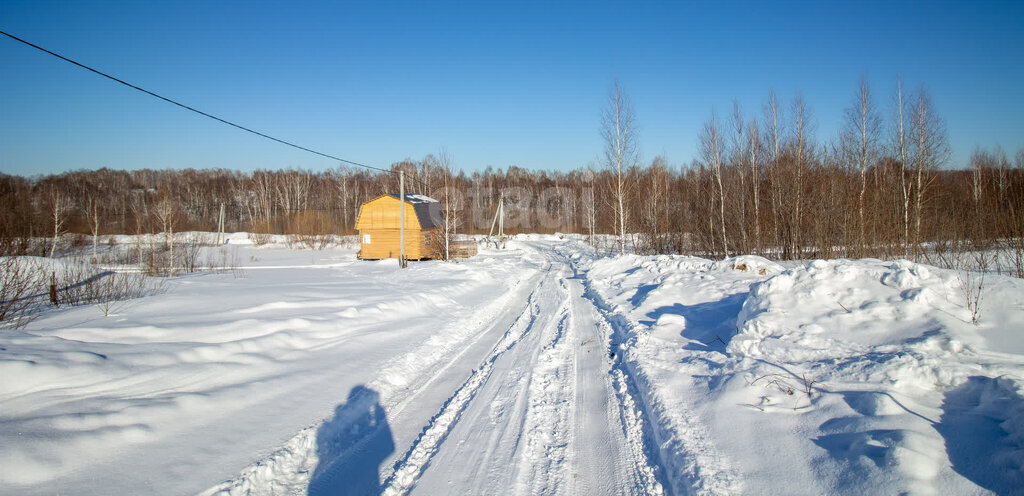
839 377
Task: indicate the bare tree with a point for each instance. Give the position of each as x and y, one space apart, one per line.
803 150
654 207
166 212
94 224
444 162
931 150
58 206
589 206
738 156
899 139
859 138
262 187
1014 219
620 152
754 148
140 212
711 154
773 132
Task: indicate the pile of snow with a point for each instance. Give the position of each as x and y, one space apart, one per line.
833 377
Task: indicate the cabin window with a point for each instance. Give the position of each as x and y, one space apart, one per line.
366 239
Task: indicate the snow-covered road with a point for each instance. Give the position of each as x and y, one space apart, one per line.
543 409
542 415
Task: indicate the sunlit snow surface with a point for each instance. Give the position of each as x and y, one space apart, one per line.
539 369
832 377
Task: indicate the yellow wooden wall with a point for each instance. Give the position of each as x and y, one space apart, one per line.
384 243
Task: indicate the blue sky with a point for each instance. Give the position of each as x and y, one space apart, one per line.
494 83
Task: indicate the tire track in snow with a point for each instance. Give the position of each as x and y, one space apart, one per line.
560 426
547 429
288 469
409 469
686 461
543 449
646 467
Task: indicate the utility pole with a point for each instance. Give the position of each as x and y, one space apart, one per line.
499 219
220 226
401 219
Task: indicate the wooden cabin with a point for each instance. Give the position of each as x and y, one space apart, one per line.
378 224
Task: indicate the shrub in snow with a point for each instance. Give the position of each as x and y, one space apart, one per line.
19 281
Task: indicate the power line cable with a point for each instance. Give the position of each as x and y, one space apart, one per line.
200 112
411 178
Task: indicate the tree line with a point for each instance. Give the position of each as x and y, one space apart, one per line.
763 183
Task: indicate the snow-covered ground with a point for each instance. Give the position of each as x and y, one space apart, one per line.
537 369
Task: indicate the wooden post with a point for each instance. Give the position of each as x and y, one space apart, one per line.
53 289
220 225
499 219
401 219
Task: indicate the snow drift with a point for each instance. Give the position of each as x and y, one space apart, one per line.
830 377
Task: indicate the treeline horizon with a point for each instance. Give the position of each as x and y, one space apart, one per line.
763 184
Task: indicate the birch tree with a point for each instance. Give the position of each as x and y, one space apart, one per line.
773 133
899 143
444 162
589 206
58 206
166 212
738 157
753 148
94 224
859 138
620 152
711 153
803 149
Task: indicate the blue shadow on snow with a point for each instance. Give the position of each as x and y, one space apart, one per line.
351 447
641 294
709 325
974 423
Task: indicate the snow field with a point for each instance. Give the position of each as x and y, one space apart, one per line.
541 369
166 393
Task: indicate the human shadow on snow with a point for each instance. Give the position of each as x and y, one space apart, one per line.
983 426
641 294
351 447
709 325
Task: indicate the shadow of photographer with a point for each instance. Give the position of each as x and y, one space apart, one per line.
351 447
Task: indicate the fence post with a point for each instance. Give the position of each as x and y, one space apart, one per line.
53 288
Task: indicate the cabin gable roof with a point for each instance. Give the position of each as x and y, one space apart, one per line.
427 209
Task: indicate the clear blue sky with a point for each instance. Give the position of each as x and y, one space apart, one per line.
499 84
